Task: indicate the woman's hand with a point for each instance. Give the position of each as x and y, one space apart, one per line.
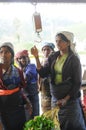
28 106
63 101
34 51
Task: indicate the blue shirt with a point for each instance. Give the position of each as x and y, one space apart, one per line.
31 78
31 73
13 80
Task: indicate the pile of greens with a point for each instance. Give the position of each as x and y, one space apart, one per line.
39 123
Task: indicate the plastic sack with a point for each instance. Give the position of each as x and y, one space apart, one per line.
53 115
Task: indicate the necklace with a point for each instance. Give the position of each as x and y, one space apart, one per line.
7 71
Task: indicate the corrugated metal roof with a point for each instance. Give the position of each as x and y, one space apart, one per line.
46 1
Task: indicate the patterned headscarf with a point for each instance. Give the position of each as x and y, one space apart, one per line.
50 44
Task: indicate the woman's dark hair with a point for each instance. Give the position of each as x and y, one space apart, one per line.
62 37
12 52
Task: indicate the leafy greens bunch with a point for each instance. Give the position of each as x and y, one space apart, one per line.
39 123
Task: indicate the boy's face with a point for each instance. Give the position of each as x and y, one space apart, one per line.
23 60
46 51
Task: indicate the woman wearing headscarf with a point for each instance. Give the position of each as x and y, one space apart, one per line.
65 70
44 83
11 84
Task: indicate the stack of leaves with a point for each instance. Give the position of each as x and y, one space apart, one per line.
40 123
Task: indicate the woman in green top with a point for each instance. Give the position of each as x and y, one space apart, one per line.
65 70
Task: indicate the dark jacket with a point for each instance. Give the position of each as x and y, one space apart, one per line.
71 72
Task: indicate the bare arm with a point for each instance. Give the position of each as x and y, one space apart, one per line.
34 52
43 71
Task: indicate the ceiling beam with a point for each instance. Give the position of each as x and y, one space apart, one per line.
46 1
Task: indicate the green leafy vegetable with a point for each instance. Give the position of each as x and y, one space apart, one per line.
39 123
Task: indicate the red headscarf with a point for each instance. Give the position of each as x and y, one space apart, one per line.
21 53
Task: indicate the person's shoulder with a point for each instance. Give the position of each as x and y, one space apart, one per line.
18 69
74 55
15 67
31 65
53 54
